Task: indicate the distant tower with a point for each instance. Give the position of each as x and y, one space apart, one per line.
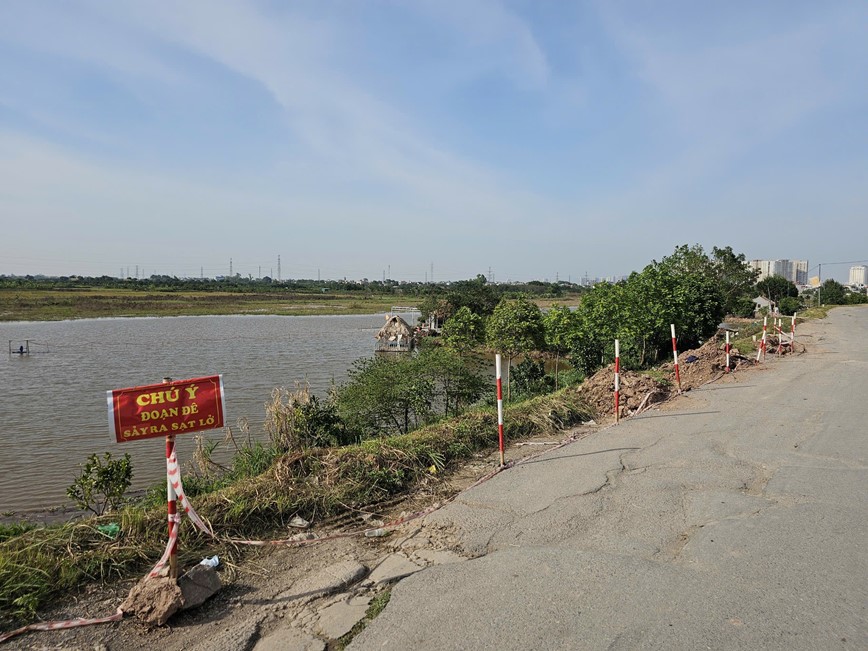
230 267
202 272
432 272
278 268
137 272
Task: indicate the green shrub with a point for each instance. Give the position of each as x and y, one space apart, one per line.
102 483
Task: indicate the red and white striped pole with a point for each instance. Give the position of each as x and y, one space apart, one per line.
499 407
762 347
793 334
617 381
171 501
781 333
675 356
726 348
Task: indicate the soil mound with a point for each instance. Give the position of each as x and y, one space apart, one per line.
639 390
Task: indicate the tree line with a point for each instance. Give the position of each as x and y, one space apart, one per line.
396 394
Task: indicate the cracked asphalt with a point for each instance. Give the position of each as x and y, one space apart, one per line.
734 518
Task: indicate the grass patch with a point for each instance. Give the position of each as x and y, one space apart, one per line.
377 605
40 563
815 312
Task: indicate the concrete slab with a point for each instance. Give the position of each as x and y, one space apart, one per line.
289 639
391 568
328 580
338 619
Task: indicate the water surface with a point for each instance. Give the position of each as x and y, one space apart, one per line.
53 404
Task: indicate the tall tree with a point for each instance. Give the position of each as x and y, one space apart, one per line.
558 328
774 288
515 326
463 330
735 279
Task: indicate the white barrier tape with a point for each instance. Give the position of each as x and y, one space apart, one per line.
174 469
60 625
173 538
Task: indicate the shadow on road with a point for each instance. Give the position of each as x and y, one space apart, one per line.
709 387
583 454
673 415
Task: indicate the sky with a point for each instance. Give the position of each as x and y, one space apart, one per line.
429 139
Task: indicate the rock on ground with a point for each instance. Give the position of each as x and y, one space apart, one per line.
154 600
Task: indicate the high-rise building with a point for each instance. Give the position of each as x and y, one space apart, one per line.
859 275
793 270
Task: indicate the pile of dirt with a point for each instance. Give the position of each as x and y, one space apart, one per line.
638 391
698 366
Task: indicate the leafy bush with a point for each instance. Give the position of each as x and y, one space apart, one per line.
102 483
530 379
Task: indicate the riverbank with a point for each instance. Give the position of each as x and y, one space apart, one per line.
84 303
87 303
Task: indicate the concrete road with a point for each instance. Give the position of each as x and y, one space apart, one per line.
737 520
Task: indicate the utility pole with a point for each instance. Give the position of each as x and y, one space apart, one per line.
230 267
278 268
820 286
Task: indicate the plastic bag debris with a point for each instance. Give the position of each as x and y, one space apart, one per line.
110 530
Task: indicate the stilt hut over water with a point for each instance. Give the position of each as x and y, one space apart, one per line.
396 336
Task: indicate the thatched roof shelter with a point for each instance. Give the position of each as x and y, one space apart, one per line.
395 333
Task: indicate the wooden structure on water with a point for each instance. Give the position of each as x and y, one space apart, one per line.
396 336
26 347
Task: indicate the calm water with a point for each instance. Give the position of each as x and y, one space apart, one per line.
53 410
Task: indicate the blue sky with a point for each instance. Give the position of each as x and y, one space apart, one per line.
538 139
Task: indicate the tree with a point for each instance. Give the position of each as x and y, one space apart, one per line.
558 330
463 330
775 288
679 289
832 293
384 395
789 305
455 383
735 280
515 326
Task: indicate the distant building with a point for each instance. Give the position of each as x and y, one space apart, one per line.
858 276
795 271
